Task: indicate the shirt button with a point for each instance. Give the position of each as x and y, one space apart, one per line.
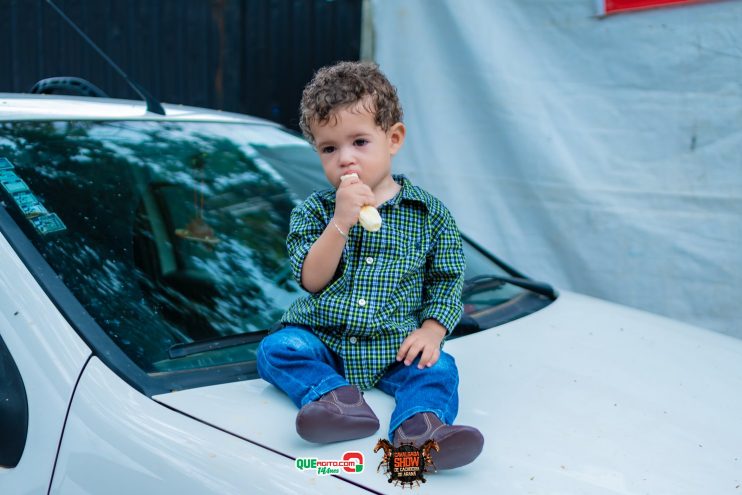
369 260
361 302
353 340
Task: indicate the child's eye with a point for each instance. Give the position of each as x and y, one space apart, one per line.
360 142
327 149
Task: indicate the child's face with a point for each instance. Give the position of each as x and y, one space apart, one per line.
353 143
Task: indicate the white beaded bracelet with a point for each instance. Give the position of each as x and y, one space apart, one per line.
341 232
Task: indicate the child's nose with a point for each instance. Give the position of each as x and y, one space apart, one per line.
347 157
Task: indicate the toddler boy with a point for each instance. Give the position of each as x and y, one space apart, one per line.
380 303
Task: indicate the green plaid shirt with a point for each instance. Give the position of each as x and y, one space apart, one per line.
387 283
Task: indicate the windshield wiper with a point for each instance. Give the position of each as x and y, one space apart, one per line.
533 285
205 345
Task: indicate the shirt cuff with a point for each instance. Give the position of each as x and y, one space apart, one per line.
447 313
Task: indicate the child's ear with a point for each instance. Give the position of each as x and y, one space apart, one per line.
396 136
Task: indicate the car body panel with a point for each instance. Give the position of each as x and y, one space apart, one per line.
583 396
50 356
118 441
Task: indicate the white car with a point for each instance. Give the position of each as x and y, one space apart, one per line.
142 259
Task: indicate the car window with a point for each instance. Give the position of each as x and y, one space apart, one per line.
170 233
166 233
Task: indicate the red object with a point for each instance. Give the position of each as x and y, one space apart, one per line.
614 6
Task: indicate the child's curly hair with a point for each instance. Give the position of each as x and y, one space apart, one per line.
345 84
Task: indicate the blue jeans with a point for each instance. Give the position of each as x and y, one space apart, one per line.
299 363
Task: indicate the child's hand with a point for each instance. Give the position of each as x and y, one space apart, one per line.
426 341
351 195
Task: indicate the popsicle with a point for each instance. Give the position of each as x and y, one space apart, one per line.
369 217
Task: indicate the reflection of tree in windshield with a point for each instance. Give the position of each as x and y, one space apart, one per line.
232 186
165 220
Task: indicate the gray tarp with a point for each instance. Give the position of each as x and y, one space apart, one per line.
601 155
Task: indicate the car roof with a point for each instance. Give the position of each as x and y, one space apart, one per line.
23 107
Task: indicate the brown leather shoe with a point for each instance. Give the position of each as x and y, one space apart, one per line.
341 414
459 445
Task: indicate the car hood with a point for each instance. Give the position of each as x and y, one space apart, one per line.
584 396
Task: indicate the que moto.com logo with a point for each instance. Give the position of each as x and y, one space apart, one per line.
352 462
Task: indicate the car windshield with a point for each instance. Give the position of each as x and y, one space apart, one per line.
171 232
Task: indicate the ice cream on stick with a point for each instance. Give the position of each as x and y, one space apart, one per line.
369 217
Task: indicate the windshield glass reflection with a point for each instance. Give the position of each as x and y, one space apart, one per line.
174 232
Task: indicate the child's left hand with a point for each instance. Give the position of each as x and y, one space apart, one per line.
426 341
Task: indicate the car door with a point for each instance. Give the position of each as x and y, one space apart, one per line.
41 358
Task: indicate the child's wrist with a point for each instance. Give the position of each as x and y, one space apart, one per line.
342 226
342 232
435 327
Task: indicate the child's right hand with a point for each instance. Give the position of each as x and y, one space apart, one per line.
351 195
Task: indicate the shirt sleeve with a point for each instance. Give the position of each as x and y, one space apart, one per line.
444 277
305 227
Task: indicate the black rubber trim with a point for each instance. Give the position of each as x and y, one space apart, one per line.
13 410
64 85
96 338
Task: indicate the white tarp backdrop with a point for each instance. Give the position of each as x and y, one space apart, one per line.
601 155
